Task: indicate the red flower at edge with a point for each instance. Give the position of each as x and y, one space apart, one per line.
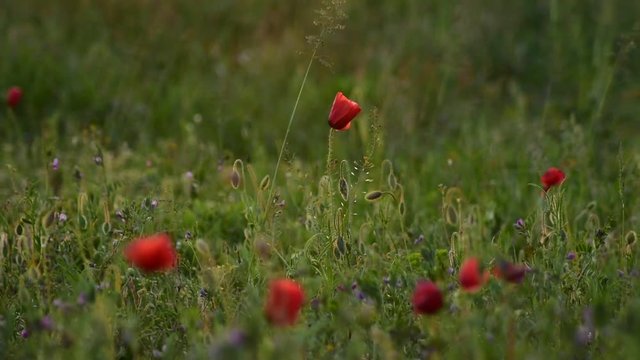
14 95
552 177
471 275
427 298
152 253
509 272
284 302
342 112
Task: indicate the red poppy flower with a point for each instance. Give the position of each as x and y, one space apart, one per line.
14 95
427 298
509 272
552 177
284 302
152 253
342 112
471 275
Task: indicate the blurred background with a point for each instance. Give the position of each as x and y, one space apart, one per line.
138 70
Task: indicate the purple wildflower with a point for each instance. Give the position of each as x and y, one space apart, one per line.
82 299
315 303
55 164
46 323
519 225
203 293
62 217
237 337
584 335
571 255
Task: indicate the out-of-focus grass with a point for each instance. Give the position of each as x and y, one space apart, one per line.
474 99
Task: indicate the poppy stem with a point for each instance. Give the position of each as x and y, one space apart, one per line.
330 154
291 117
330 172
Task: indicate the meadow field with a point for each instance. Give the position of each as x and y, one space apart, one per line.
177 180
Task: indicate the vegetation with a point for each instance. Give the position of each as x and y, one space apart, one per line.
208 121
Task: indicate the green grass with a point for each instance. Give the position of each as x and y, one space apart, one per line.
465 105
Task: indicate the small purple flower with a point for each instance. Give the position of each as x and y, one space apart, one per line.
62 217
46 323
188 175
418 240
360 295
354 285
188 235
489 336
25 333
154 203
203 293
98 160
82 299
55 164
584 335
451 271
237 337
571 255
157 353
315 304
519 225
61 305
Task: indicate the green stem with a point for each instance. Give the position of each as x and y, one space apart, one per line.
330 154
291 117
329 174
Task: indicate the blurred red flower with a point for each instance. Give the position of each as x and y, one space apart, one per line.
471 275
342 112
284 302
509 272
14 95
152 253
552 177
427 298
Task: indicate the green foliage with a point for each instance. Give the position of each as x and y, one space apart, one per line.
169 117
